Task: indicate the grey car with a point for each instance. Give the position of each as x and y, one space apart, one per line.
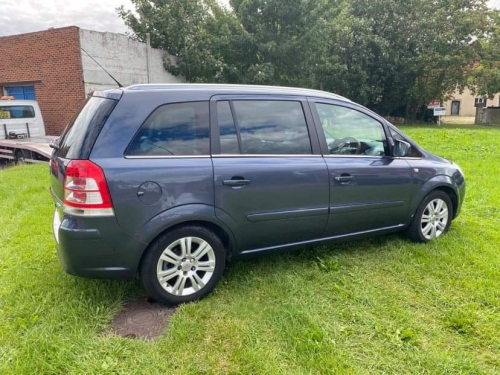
172 181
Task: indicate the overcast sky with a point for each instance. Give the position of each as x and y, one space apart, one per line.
21 16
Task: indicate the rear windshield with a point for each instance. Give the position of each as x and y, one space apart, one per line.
16 111
79 136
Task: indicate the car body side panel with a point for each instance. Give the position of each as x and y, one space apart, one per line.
166 183
285 201
425 186
98 248
378 196
182 214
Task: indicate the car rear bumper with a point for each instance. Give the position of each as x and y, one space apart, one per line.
96 247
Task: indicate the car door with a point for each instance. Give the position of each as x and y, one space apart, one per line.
271 182
369 189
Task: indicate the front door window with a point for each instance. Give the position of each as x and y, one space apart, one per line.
350 132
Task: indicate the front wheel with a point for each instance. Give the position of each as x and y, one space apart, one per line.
432 219
183 265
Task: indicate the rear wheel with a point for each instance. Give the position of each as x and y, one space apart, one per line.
183 265
433 217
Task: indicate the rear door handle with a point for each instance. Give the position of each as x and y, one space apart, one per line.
344 179
236 182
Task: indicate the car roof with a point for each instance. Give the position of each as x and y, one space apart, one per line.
222 89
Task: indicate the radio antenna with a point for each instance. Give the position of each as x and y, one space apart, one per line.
100 66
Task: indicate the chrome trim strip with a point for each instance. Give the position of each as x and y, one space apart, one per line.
364 206
370 156
356 156
265 156
406 158
281 215
322 239
167 157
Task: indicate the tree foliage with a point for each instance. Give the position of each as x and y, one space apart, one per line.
391 55
485 77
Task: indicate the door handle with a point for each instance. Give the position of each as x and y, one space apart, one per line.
236 182
344 179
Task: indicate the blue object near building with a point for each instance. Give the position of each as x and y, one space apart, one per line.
22 92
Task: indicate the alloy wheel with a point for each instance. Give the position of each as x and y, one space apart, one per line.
186 266
434 219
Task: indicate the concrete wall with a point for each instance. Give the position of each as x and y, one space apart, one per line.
467 99
124 58
488 116
50 61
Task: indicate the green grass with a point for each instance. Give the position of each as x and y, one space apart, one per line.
384 305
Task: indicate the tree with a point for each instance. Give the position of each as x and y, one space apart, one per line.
390 55
485 77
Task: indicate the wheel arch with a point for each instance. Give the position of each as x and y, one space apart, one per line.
443 183
199 215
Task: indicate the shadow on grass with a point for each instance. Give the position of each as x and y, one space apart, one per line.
310 255
115 293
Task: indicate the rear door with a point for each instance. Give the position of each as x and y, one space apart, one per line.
271 183
369 189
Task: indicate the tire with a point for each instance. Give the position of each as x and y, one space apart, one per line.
19 157
418 230
175 259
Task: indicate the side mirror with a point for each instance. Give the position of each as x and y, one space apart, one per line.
401 148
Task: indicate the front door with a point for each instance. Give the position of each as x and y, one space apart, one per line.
369 190
455 108
271 183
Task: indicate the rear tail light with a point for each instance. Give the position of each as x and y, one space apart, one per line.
86 192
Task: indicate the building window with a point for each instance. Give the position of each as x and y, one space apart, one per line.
21 92
480 102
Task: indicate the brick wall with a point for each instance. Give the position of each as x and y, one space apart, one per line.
50 60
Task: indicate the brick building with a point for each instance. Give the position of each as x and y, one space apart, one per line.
53 67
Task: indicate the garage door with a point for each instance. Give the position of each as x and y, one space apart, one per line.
22 92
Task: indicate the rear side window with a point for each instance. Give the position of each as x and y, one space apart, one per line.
272 127
79 136
16 111
174 129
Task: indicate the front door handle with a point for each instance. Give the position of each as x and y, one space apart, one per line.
236 182
344 179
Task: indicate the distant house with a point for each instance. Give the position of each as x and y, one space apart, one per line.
464 104
51 67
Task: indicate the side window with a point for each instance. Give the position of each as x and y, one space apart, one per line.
174 129
272 127
18 111
350 132
227 130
